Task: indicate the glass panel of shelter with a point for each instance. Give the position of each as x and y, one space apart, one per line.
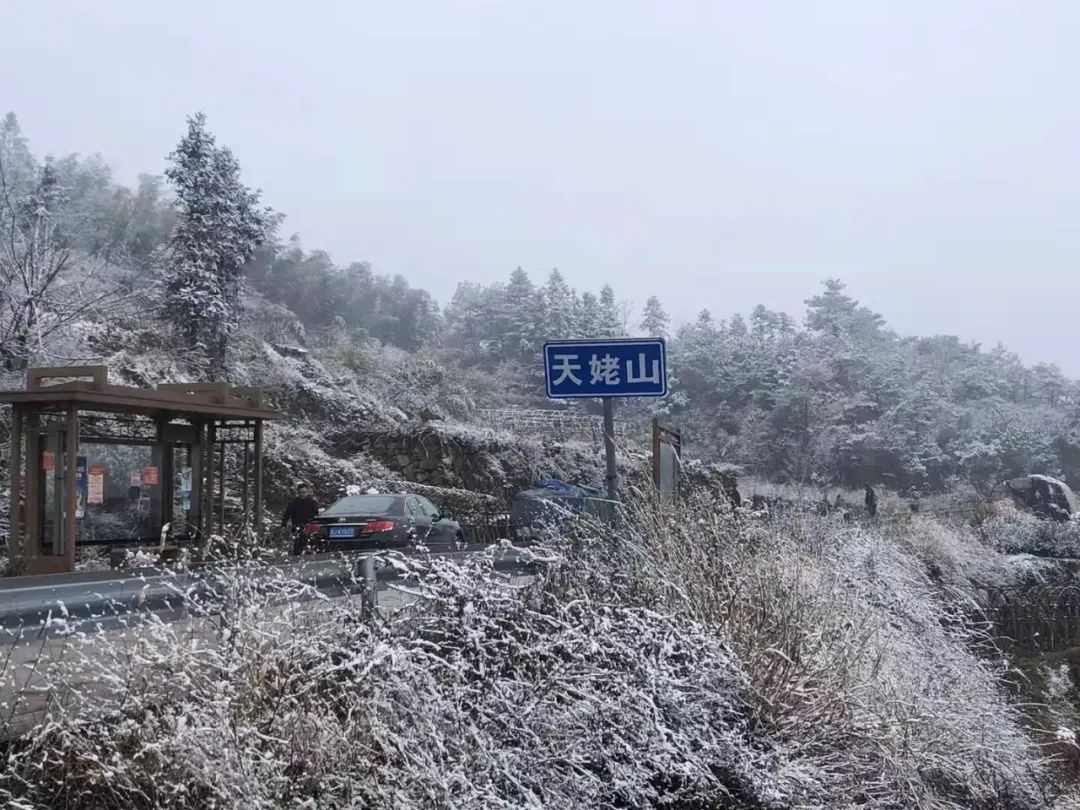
128 489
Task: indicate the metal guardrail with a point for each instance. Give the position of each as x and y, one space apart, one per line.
35 606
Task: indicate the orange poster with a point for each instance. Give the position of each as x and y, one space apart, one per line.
47 461
150 476
96 493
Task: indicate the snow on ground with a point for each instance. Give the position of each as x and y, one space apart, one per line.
689 659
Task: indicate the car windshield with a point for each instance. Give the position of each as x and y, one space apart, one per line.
366 505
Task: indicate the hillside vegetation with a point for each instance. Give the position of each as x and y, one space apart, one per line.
193 274
701 658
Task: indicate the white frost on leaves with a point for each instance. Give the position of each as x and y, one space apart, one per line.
672 663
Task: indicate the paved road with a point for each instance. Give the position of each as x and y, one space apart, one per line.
34 652
31 607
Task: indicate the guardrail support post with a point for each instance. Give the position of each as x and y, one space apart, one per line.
367 567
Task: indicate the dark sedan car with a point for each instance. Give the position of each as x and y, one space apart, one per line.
401 520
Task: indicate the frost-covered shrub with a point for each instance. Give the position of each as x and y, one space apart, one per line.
568 692
694 659
1016 531
957 556
864 669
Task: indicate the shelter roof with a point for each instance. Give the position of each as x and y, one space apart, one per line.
214 400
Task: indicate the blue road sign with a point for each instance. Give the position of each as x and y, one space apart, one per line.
633 367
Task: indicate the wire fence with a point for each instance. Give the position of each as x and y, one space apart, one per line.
558 425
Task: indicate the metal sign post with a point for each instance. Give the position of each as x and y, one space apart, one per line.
611 477
606 369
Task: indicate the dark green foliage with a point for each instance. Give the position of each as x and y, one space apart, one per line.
219 226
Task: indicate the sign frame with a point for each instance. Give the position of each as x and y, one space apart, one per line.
597 345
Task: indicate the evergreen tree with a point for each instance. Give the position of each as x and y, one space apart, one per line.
520 317
558 308
836 313
590 316
220 224
654 320
468 319
612 323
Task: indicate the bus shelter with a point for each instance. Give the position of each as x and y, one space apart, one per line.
94 464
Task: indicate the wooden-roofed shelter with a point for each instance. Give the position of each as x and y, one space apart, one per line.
94 464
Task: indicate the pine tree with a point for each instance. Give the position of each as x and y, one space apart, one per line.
590 317
558 308
220 224
612 323
520 317
654 320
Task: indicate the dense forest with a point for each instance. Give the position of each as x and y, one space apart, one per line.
836 398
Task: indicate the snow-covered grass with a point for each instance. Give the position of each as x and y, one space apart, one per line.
862 666
1017 531
685 660
567 693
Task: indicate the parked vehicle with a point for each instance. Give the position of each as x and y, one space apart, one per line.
379 521
550 503
1045 496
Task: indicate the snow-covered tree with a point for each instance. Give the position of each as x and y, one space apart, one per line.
53 247
558 307
220 224
654 320
520 317
612 322
589 316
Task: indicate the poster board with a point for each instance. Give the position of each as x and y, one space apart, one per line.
96 489
80 487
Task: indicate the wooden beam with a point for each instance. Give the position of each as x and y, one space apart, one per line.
34 486
71 451
259 480
136 400
15 460
245 471
34 376
207 510
221 487
198 468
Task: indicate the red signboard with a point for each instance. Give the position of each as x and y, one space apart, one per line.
150 476
48 462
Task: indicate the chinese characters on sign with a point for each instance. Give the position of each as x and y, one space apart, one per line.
605 368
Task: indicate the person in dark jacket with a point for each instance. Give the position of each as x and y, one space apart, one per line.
301 510
871 501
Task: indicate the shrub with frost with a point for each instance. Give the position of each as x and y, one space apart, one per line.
1017 531
695 659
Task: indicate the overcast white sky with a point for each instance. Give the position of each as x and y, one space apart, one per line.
719 154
